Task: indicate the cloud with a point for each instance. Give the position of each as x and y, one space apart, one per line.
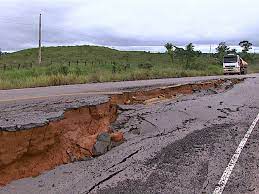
128 22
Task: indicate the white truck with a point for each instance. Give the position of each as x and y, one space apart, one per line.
234 64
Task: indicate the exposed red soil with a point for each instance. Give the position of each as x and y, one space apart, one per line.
30 152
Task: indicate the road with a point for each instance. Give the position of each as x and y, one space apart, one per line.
173 146
96 88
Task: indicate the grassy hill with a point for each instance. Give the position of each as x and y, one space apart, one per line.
83 64
89 54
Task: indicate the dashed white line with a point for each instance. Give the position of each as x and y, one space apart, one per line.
224 179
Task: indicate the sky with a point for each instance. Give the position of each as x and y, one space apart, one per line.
128 24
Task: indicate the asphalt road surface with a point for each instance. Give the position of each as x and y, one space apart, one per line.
97 88
200 143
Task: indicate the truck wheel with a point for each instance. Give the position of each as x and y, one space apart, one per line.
242 71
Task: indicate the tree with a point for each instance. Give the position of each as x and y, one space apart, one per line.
233 51
190 47
246 45
179 53
170 50
189 53
222 50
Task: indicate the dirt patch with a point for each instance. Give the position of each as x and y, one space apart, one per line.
29 152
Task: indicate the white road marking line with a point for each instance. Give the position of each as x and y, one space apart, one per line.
224 179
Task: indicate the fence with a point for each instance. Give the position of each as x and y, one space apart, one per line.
116 66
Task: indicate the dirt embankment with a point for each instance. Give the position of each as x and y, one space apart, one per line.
29 152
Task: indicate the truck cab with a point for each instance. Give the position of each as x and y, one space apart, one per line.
234 64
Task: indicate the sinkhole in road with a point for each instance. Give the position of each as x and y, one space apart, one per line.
29 152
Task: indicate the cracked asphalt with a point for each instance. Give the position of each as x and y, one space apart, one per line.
173 146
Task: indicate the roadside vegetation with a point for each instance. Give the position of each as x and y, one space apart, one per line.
85 64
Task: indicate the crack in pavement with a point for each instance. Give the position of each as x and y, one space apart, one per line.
170 165
104 180
162 134
144 119
124 159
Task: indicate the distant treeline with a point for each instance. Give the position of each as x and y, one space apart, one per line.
189 55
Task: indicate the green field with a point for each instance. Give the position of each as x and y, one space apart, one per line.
84 64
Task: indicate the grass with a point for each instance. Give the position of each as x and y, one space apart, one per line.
62 75
96 64
253 68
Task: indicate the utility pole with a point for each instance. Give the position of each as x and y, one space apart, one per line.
210 50
39 59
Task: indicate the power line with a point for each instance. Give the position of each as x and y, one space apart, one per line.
15 22
16 18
